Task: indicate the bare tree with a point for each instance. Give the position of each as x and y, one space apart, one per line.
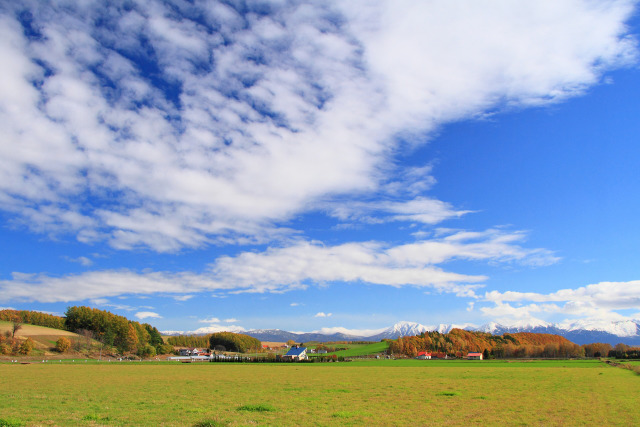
17 325
87 335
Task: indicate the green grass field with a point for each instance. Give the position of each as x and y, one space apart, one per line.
355 350
378 392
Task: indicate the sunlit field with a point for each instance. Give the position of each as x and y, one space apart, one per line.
358 393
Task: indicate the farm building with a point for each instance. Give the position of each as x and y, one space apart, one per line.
423 355
296 353
474 356
190 352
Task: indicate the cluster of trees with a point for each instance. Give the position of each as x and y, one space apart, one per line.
189 341
229 341
459 342
597 349
9 344
623 351
32 318
117 331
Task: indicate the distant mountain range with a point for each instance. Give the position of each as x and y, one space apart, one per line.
579 332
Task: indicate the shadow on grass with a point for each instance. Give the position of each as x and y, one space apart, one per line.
257 408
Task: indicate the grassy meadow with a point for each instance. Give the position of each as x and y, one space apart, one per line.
383 392
355 350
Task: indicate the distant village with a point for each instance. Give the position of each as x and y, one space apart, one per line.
293 353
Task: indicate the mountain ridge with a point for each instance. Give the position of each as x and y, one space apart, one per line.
579 332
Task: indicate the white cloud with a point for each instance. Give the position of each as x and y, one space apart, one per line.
297 267
322 314
183 297
600 301
218 147
210 320
81 260
295 304
147 314
231 320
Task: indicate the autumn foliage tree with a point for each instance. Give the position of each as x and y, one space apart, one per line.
26 346
189 340
459 342
33 318
63 345
113 330
234 342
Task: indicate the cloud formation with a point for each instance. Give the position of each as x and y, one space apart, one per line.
601 301
298 266
323 314
147 314
177 125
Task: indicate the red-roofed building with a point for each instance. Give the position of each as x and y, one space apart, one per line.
424 355
474 356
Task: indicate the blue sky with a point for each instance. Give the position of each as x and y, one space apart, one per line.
321 166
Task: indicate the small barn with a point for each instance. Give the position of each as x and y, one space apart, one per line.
191 352
296 353
474 356
423 355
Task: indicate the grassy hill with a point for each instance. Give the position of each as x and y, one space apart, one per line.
363 349
355 350
43 338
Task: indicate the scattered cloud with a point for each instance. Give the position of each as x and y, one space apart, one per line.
81 260
231 320
147 314
322 314
297 266
210 320
183 297
295 304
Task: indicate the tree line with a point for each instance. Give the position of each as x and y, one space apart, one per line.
196 341
127 336
229 341
33 318
459 342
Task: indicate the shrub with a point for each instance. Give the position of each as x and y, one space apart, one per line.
147 351
63 344
26 347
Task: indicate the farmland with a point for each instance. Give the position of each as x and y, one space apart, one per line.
383 392
355 350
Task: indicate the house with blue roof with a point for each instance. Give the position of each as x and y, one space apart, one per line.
296 353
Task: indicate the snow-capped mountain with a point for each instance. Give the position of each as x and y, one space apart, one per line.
579 332
401 329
